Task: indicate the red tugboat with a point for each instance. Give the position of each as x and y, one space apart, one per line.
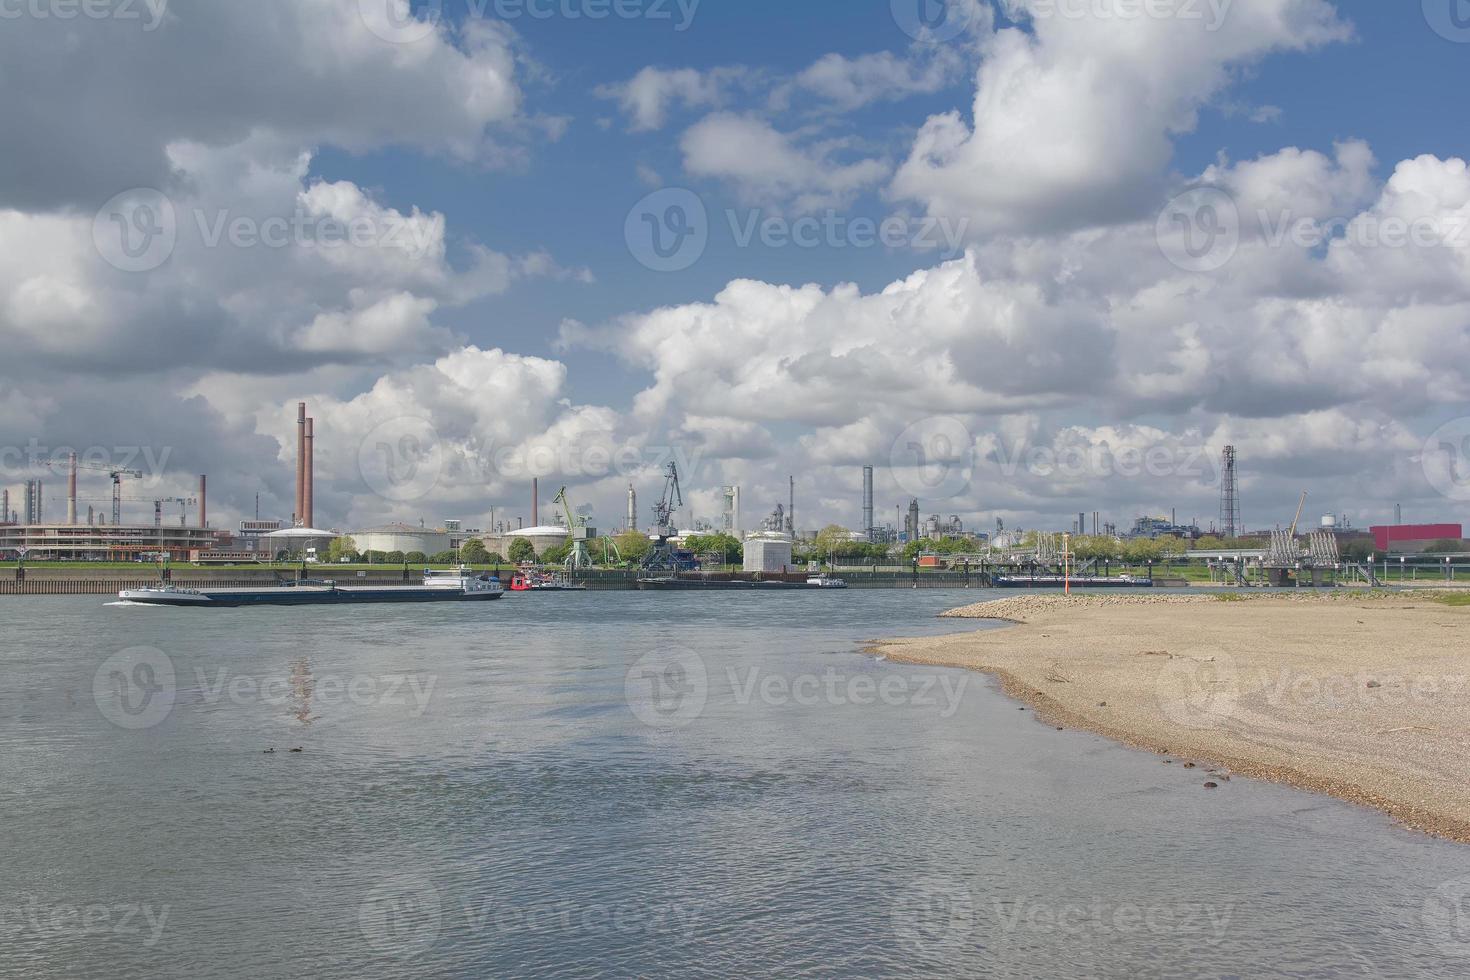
531 580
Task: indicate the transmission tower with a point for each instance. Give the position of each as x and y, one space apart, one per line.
1229 496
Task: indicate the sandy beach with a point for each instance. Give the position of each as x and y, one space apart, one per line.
1362 696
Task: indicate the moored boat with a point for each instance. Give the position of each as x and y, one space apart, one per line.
684 583
533 581
439 586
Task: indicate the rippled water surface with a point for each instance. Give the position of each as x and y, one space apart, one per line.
638 784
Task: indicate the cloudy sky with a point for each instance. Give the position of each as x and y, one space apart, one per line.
1025 257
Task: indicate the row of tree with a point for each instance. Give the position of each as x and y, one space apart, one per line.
833 541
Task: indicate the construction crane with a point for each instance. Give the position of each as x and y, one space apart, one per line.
184 504
120 499
116 473
1298 518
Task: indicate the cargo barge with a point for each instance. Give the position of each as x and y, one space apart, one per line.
1058 582
459 586
701 582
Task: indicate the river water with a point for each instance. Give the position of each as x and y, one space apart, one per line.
636 784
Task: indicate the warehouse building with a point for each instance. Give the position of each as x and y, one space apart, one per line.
767 553
1413 537
102 542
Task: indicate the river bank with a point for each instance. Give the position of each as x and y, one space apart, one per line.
1361 696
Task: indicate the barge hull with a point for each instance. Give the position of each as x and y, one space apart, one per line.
304 597
685 585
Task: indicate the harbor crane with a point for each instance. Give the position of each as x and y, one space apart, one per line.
672 500
661 557
577 528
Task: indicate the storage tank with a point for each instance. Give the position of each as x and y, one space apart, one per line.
1329 522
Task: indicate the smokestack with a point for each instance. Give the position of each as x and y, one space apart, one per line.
300 461
71 490
308 503
632 508
203 500
535 502
868 500
4 506
791 509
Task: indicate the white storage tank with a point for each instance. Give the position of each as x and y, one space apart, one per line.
767 553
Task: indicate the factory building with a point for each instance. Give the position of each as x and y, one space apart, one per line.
404 538
85 542
767 553
305 542
1413 537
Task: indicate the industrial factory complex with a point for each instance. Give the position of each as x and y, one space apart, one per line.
27 531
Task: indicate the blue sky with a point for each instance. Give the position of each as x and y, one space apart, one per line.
1393 85
1068 314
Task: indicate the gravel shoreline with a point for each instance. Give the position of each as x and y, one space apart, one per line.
1364 696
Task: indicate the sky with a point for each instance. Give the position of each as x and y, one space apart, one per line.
1026 258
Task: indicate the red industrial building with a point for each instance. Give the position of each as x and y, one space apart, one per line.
1412 537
